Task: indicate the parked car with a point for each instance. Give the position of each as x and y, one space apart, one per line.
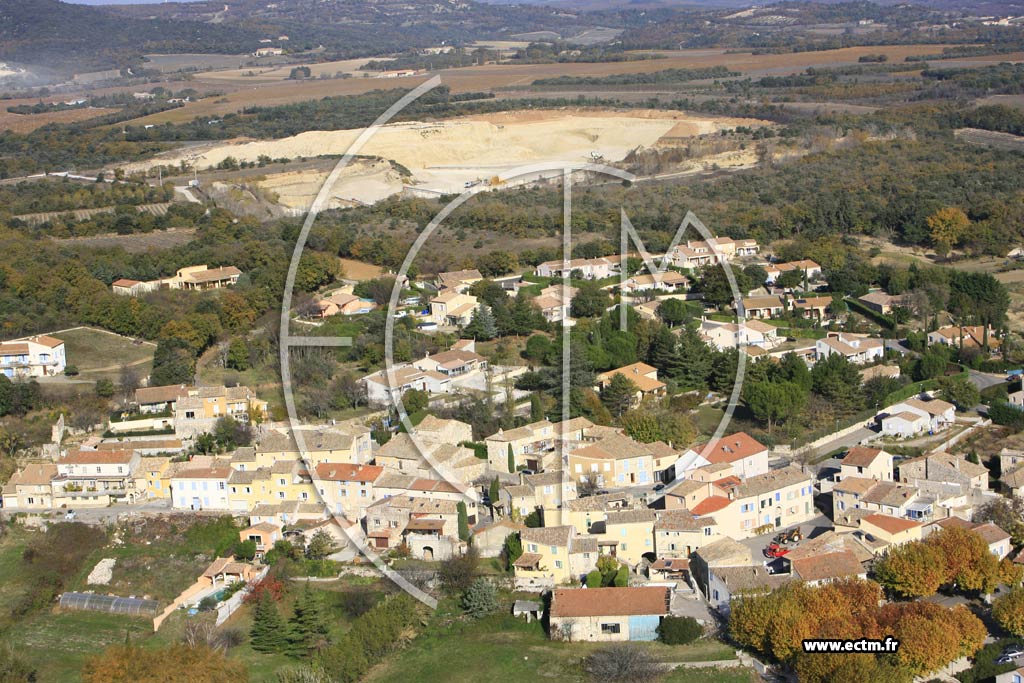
1010 654
70 515
659 487
775 550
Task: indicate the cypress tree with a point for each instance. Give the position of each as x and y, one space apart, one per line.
463 521
511 460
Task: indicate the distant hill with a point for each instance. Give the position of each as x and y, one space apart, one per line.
62 36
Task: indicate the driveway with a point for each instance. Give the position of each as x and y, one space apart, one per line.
984 380
852 439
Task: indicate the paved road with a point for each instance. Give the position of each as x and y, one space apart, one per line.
984 380
851 439
107 515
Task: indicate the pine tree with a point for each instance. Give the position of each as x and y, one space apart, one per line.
269 631
483 325
308 627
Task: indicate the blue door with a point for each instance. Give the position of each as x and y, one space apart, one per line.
644 627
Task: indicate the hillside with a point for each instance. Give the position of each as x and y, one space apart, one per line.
53 33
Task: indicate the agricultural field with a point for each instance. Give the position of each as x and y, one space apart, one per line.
137 243
497 76
98 354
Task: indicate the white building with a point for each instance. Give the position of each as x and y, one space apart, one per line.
39 356
856 348
913 416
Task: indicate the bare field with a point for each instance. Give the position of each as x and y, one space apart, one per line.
133 244
26 123
449 156
492 76
270 74
357 270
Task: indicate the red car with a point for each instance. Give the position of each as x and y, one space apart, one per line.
775 550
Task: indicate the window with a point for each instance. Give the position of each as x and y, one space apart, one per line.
234 490
280 482
533 547
280 494
31 501
548 489
248 489
98 469
707 531
610 628
120 470
579 468
716 594
554 550
622 547
220 485
558 564
778 496
190 414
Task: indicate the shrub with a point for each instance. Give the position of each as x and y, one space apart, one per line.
480 599
679 630
622 663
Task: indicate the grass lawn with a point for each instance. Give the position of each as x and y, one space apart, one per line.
12 579
59 644
502 648
98 354
711 675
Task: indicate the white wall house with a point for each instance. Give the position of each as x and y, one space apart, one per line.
39 356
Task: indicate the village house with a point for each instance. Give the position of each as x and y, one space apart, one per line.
944 473
550 489
779 498
752 333
913 416
344 442
341 303
456 362
347 490
552 556
998 541
812 307
667 281
830 557
534 446
747 456
127 287
203 277
965 336
30 488
383 387
627 535
725 567
608 614
678 533
614 460
864 462
644 376
264 535
583 268
37 356
86 477
762 306
891 530
201 488
856 348
453 308
197 411
424 457
810 270
489 539
458 280
880 302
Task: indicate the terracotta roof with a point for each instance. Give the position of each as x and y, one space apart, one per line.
212 274
598 602
759 302
347 472
932 407
34 474
860 456
162 394
740 578
125 282
828 566
709 505
890 494
118 457
731 448
527 561
893 525
671 563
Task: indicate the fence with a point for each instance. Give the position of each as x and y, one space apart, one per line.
231 605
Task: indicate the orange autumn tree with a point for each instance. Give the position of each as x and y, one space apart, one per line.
1008 610
911 570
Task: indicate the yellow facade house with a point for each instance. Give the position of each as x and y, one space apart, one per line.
628 535
552 556
29 488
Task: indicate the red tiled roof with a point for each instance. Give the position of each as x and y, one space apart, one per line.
347 472
709 505
893 525
731 448
597 602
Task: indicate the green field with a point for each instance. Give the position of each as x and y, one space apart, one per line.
503 648
100 355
